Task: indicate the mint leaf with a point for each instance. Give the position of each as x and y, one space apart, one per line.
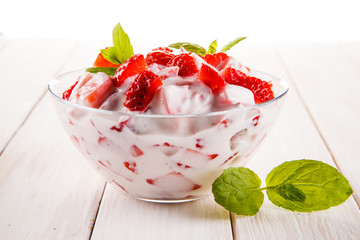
238 190
108 70
212 47
306 185
290 192
122 49
111 54
190 47
228 46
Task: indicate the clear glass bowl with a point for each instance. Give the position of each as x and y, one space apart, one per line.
165 158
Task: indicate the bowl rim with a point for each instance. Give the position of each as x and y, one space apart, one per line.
137 114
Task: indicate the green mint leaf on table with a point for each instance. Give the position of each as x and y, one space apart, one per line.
190 47
212 47
321 185
300 185
228 46
122 49
290 192
238 190
108 70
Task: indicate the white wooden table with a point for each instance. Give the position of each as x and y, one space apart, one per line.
47 191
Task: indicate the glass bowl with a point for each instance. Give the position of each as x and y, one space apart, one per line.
165 158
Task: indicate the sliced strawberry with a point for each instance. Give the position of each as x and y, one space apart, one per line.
102 62
211 78
216 59
131 166
130 67
186 64
68 91
233 76
142 91
160 56
261 89
96 90
136 151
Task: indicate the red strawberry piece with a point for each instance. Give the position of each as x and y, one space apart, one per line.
163 49
94 92
261 89
233 76
160 56
186 64
211 78
142 91
120 126
135 151
68 91
102 62
216 59
194 154
130 67
131 166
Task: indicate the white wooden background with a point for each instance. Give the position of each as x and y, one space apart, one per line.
47 191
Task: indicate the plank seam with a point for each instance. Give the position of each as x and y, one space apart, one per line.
97 211
291 78
232 225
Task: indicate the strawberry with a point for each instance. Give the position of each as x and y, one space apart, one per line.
68 91
142 90
130 67
216 59
261 89
160 56
102 62
211 78
96 90
186 64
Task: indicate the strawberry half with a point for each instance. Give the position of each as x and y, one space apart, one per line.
211 78
130 67
186 64
160 56
102 62
261 89
216 59
142 91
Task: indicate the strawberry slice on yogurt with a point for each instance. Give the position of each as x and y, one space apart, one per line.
94 92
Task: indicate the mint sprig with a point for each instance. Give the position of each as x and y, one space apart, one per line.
122 49
110 71
300 185
190 47
228 46
212 47
201 51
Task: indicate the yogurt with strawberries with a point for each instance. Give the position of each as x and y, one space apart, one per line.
162 127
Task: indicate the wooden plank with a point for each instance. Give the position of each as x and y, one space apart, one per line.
47 190
352 49
25 68
294 136
329 85
121 217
